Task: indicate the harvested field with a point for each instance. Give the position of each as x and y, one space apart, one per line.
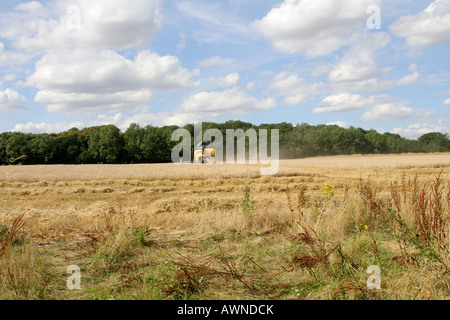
190 171
226 232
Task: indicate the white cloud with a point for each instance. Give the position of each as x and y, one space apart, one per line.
29 6
406 80
394 111
230 80
11 100
341 124
9 77
90 80
383 107
358 70
8 58
343 102
103 24
447 102
358 63
231 101
142 116
59 102
215 61
44 127
420 128
314 27
374 84
427 28
116 119
295 89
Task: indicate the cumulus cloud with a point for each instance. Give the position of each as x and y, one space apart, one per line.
447 102
8 57
91 80
118 119
358 63
294 89
144 117
358 70
230 80
407 80
343 102
9 77
341 124
314 27
375 84
231 101
420 128
44 127
204 106
427 28
95 24
11 100
394 111
29 6
59 102
382 107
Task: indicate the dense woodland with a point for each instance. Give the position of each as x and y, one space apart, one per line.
107 144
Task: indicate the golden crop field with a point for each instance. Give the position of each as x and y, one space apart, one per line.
187 231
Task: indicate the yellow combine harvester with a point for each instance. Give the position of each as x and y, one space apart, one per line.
203 153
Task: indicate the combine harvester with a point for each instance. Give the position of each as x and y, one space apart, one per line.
203 153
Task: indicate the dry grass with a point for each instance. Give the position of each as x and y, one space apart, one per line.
189 171
189 231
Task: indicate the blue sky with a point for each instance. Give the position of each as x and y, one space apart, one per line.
80 63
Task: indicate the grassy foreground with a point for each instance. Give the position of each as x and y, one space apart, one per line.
314 231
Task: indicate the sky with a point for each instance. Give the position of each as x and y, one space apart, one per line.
371 64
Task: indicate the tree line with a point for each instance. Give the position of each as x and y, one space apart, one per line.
149 144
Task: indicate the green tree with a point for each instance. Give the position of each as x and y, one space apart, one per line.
394 143
17 146
106 144
360 144
377 141
435 142
40 149
155 146
4 137
134 143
